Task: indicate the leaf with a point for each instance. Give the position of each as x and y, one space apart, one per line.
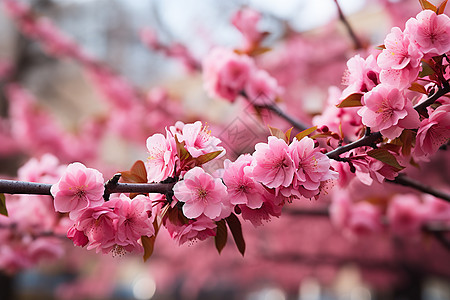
202 159
380 47
352 100
277 133
287 134
427 5
3 209
236 230
417 87
386 157
441 7
305 133
182 153
149 242
427 70
221 236
137 173
407 139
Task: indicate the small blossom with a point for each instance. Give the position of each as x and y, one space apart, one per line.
78 189
160 162
198 139
273 166
196 230
201 194
261 88
361 75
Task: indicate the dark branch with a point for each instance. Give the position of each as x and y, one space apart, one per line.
406 181
356 41
293 121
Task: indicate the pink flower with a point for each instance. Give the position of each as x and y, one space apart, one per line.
226 73
246 21
77 236
361 75
271 207
198 139
400 61
261 88
430 31
241 187
364 219
312 166
199 229
201 194
99 224
133 220
273 166
388 110
433 132
405 214
78 189
160 162
47 169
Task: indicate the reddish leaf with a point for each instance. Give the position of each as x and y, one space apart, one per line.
305 133
352 100
236 230
441 7
277 133
386 157
3 210
427 5
287 134
221 236
427 70
149 242
417 87
380 47
407 139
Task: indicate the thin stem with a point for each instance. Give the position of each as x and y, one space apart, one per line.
355 39
406 181
421 107
367 140
293 121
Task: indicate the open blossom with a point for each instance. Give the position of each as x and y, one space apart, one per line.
78 189
405 214
201 194
261 88
400 61
387 110
361 75
133 220
197 137
271 207
160 162
198 229
241 187
430 32
225 73
273 166
433 132
312 166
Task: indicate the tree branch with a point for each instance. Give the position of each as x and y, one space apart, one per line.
401 179
355 39
293 121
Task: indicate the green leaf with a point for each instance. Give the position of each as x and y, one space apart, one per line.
352 100
427 70
236 230
441 7
221 236
427 5
3 209
417 87
305 133
202 159
386 157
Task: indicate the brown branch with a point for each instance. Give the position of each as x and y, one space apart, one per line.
293 121
401 179
355 39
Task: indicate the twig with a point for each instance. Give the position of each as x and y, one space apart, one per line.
406 181
293 121
356 41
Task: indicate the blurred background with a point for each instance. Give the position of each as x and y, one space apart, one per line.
150 52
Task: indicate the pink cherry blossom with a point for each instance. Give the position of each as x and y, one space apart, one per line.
134 220
241 187
364 219
47 169
261 88
361 75
196 230
271 207
430 32
226 73
388 110
77 236
201 194
160 162
198 139
312 166
272 165
433 132
246 21
405 214
78 189
99 225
